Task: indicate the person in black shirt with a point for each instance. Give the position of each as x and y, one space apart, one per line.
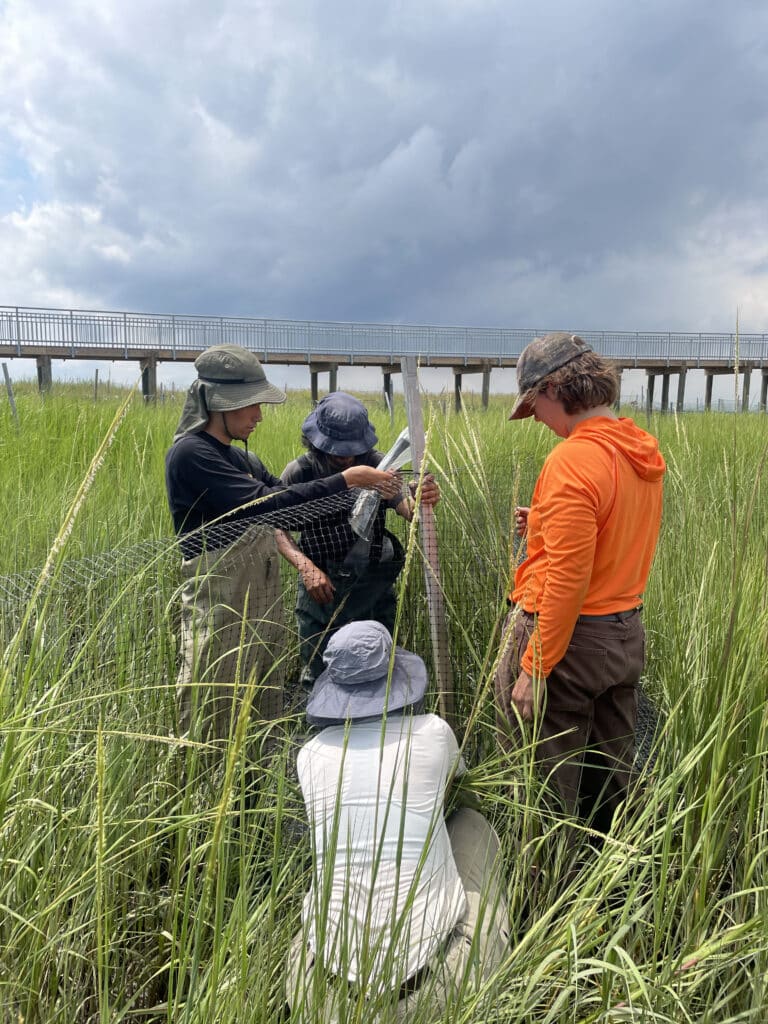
232 630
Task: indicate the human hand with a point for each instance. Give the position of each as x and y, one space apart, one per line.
527 695
521 519
430 491
385 481
317 584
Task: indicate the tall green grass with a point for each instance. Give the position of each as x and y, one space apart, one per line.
138 884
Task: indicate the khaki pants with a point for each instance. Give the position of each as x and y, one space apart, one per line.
232 635
476 947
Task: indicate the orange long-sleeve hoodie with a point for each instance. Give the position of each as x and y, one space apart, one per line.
592 532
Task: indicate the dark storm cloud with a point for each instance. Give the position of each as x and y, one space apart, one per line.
551 164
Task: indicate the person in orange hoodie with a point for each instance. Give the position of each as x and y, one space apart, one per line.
574 645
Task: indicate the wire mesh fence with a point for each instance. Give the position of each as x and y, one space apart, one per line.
122 607
116 615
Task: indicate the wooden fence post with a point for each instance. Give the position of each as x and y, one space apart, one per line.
435 603
11 399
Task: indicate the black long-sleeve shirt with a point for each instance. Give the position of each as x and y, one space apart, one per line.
206 479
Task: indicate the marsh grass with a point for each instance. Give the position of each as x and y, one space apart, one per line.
137 883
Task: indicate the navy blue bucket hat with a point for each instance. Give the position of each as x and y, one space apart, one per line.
356 681
339 425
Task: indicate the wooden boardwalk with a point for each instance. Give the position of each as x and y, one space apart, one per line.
47 334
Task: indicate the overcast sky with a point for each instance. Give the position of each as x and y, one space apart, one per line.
590 165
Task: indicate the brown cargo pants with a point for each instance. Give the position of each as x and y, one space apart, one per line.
585 735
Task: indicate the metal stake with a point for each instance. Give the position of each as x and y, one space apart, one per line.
437 623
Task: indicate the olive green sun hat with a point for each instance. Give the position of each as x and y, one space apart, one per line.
229 377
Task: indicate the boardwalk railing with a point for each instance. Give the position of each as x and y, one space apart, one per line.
85 333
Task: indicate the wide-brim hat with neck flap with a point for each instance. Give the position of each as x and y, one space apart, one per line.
229 377
339 425
357 681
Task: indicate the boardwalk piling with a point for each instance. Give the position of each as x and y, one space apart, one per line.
11 399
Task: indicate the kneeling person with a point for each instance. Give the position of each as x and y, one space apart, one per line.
404 905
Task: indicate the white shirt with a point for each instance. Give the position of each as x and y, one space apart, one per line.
385 890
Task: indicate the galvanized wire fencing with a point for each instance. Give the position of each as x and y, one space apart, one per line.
115 615
121 607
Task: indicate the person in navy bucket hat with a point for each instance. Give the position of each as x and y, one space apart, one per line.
340 579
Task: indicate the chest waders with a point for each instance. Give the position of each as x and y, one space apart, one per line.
232 636
362 590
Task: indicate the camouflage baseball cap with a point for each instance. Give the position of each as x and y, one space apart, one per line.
542 357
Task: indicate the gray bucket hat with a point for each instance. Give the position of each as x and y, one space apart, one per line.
356 681
542 357
229 377
339 425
